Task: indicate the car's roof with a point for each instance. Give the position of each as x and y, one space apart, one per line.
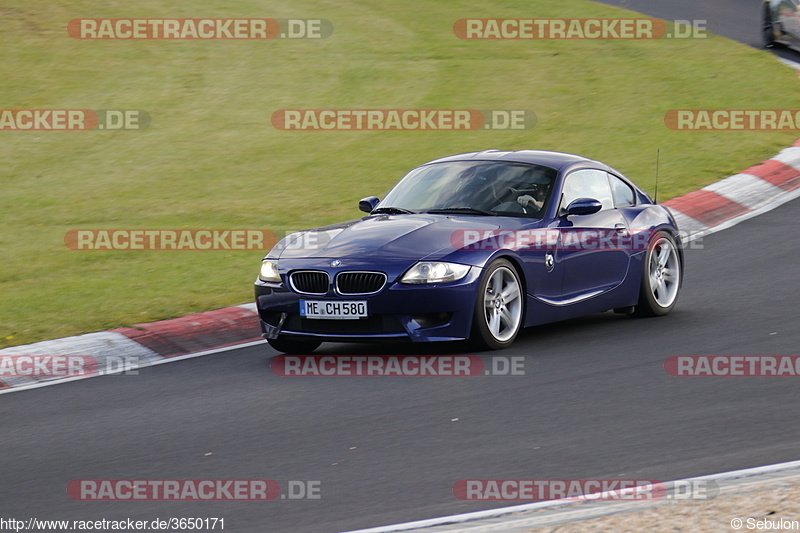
556 160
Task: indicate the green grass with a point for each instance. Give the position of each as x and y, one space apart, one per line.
211 159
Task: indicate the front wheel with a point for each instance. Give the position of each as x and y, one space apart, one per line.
294 346
499 306
767 27
662 274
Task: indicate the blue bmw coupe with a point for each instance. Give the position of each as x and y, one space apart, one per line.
474 246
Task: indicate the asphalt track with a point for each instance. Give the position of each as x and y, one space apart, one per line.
734 19
739 20
595 403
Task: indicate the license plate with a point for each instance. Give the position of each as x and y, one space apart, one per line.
333 310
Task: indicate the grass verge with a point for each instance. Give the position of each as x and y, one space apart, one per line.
211 158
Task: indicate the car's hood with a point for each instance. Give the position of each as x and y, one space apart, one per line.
418 236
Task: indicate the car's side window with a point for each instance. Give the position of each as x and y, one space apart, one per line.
587 183
622 192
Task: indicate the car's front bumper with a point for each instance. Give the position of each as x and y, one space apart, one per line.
420 313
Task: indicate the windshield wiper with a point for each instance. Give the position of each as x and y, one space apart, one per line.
391 211
460 211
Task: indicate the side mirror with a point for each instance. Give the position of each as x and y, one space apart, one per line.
368 204
584 206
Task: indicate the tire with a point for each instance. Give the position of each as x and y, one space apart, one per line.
662 275
767 27
294 346
499 306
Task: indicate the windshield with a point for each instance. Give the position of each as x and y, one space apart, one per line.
474 187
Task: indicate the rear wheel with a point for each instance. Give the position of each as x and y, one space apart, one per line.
499 307
294 346
661 277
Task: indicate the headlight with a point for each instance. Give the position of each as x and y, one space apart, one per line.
434 272
269 271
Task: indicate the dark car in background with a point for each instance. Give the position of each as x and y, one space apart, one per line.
781 23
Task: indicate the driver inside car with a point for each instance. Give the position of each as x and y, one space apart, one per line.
537 200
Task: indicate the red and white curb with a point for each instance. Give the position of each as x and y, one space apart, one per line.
739 197
713 208
127 349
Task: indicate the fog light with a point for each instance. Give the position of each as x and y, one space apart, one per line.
432 320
